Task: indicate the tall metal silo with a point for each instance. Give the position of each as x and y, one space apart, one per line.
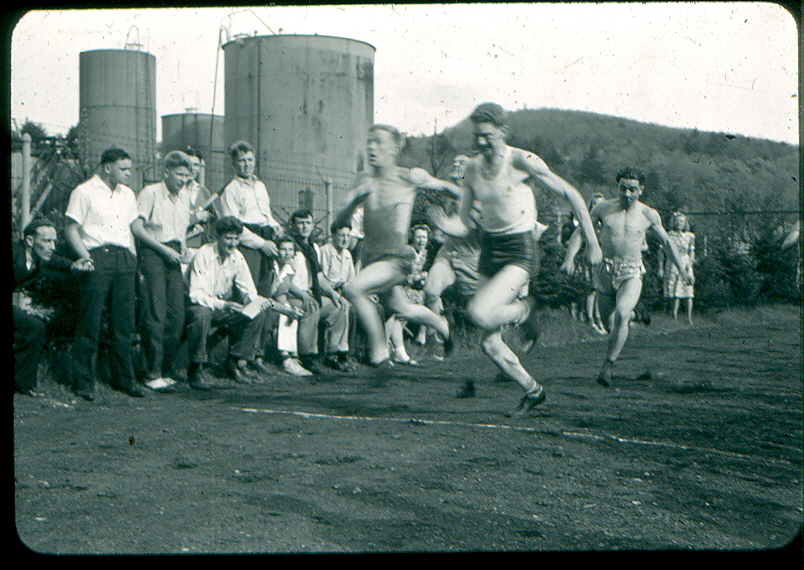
204 132
305 103
117 99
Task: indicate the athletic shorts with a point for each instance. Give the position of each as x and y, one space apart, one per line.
612 273
464 265
497 251
402 258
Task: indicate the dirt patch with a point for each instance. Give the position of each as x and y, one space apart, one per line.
698 445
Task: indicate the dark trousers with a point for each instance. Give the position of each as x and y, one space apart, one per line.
245 334
261 265
337 328
29 343
162 311
112 283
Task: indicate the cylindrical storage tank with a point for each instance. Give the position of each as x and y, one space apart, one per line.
117 99
203 132
305 103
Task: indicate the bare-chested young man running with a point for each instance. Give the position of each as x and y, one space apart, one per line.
618 280
386 192
498 178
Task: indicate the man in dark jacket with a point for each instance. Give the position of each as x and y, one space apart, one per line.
32 258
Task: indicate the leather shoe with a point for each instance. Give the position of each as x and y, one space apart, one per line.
134 391
198 380
88 396
238 370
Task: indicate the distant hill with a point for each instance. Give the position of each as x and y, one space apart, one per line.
717 175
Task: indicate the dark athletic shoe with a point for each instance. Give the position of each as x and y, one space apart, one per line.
528 402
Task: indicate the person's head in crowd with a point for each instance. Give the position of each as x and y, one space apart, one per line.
115 166
341 235
458 167
229 230
243 159
302 222
420 236
597 197
196 159
680 222
178 170
40 238
286 248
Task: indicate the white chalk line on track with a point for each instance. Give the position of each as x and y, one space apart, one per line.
570 434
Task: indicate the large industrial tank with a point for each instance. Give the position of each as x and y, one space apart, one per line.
117 100
204 132
305 103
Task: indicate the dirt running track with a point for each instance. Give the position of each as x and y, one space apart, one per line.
699 446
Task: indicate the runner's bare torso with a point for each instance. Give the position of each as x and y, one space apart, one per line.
506 198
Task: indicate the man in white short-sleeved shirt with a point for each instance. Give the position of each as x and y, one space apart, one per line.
246 198
161 232
99 216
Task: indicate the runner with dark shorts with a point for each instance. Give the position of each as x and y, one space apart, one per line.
499 179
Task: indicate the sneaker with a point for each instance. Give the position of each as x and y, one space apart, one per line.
294 367
159 384
528 402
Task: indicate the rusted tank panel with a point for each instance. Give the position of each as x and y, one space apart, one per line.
117 99
204 132
305 103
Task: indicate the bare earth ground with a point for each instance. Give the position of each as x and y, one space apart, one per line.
698 446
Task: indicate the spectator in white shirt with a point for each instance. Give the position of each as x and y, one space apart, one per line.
161 232
246 198
98 227
221 289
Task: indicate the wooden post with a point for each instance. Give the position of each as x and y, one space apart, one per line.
328 188
25 196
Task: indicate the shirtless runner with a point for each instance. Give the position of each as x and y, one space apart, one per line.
498 179
386 192
618 280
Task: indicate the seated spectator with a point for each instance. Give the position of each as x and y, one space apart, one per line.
320 301
414 288
338 267
32 257
222 293
337 263
284 291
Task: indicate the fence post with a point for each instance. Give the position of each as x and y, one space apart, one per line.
25 196
328 188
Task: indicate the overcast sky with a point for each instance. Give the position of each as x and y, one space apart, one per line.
727 67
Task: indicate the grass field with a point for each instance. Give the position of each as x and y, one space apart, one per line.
697 446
